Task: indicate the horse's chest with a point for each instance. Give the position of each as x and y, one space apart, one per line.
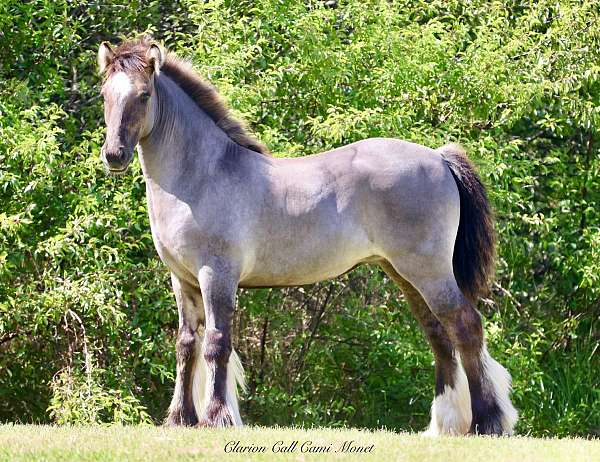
176 237
168 242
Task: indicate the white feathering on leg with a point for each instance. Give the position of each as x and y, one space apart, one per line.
199 382
235 378
451 411
500 379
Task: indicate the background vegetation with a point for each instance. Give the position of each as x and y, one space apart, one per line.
87 318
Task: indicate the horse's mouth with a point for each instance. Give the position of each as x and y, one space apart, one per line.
114 170
117 171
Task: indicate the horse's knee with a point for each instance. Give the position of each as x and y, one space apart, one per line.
217 346
186 342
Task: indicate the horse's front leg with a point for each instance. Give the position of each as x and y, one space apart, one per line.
218 283
182 410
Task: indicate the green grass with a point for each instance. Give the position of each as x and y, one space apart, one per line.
116 443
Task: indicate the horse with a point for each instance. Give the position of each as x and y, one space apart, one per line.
225 214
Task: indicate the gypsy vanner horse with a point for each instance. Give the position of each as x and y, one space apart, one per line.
225 214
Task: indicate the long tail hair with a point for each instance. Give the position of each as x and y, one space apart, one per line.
474 249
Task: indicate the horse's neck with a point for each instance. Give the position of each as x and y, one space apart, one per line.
184 141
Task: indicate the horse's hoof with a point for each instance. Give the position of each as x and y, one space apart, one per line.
177 420
206 423
488 427
217 416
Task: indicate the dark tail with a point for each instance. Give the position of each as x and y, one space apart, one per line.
474 249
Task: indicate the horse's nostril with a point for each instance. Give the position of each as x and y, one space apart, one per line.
113 158
116 159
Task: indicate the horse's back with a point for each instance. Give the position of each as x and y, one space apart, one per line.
384 162
384 171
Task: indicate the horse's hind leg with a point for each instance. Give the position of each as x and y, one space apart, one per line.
489 383
186 395
451 407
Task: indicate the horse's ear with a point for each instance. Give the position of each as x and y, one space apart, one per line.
105 56
156 57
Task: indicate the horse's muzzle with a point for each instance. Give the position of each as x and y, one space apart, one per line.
116 160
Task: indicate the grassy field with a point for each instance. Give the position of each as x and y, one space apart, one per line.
45 443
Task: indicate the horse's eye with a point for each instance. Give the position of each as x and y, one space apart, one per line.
145 95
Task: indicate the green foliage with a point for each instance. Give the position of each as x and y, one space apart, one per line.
87 319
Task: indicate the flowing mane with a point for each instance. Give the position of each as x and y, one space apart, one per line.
130 56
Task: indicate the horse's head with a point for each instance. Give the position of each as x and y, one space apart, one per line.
128 90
